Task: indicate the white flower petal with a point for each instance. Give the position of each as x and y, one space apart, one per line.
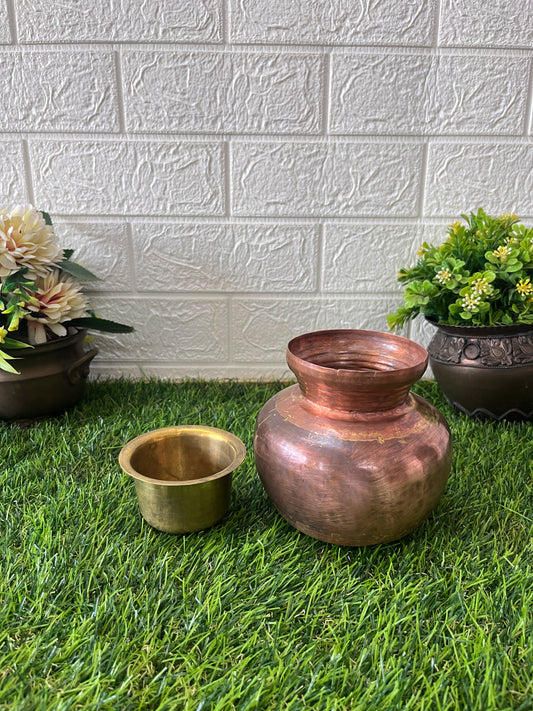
58 329
36 333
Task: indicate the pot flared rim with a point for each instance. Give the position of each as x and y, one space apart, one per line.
354 370
414 360
129 449
480 331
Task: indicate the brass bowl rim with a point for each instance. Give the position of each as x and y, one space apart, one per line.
130 447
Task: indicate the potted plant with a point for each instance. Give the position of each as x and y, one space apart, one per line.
44 316
476 288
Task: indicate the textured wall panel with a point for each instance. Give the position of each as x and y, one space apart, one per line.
225 257
188 330
463 177
222 92
58 91
376 93
12 175
325 180
103 248
261 328
366 258
416 94
241 171
421 330
481 95
486 23
112 177
124 21
334 22
5 33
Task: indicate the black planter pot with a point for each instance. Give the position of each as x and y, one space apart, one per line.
51 379
485 371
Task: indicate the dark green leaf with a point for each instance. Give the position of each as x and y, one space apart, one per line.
100 324
77 271
12 344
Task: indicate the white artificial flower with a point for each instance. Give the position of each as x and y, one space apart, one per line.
59 299
27 241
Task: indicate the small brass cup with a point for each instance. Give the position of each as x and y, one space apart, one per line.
183 475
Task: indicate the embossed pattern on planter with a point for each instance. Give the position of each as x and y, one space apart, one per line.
483 350
486 372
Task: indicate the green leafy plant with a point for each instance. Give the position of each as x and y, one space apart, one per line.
41 296
480 276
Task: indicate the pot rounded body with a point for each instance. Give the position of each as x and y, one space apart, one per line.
485 371
349 456
51 378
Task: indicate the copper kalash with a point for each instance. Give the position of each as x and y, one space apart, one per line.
349 455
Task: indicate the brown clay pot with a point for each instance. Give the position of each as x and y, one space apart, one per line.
51 378
349 455
485 371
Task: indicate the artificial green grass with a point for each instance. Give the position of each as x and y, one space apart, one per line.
100 611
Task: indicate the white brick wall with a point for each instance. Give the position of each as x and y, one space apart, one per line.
241 171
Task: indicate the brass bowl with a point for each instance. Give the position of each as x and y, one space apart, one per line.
183 475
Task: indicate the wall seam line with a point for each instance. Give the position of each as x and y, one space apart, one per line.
12 19
131 255
423 177
326 94
528 120
29 174
121 109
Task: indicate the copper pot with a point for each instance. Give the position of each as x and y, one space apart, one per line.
485 371
349 455
51 378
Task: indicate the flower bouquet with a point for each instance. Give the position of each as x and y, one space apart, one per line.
480 276
41 296
476 289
